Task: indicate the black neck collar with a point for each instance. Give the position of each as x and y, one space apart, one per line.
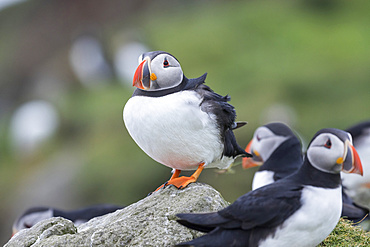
309 175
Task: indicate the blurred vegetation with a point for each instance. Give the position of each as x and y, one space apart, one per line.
312 56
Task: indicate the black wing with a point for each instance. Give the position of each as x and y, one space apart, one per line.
257 213
225 114
221 238
267 206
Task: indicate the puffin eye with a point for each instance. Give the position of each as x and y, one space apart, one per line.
166 63
26 225
328 144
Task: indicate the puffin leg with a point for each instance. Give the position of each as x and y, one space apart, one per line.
175 174
182 182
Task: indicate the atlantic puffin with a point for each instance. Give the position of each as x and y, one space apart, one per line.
180 122
36 214
299 210
276 150
354 186
278 153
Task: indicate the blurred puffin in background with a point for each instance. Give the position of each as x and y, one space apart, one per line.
36 214
359 188
180 122
276 150
298 210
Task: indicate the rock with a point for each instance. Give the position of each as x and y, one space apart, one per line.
148 222
43 230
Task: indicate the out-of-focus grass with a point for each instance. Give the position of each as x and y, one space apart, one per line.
276 51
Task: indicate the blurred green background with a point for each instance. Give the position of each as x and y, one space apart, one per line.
302 62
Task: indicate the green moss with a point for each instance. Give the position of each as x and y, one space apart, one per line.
346 234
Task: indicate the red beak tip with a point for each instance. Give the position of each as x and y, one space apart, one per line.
357 162
138 76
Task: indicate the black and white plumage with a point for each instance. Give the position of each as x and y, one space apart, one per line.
276 150
299 210
180 122
355 186
36 214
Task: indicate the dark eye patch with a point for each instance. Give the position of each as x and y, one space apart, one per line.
166 63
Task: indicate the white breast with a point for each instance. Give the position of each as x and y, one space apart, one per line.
174 131
313 222
262 178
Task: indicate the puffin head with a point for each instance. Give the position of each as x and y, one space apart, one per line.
157 70
331 151
266 139
30 217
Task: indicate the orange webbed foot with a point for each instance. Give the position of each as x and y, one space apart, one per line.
182 182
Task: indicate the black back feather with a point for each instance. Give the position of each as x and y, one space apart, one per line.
225 114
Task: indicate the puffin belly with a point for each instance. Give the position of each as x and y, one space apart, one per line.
317 204
173 130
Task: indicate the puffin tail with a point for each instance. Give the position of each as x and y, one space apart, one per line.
204 222
220 238
232 148
238 124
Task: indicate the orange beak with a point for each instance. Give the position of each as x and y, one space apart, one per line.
251 162
138 76
352 162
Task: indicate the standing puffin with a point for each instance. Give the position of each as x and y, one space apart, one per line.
180 122
299 210
36 214
278 152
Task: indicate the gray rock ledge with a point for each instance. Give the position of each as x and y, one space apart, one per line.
148 222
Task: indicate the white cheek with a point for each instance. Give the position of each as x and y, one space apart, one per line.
169 77
267 146
324 159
